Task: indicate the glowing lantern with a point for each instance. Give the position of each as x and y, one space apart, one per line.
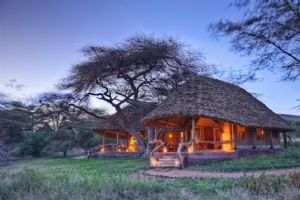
190 149
153 162
165 149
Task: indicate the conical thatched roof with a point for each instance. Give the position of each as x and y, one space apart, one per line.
134 116
212 98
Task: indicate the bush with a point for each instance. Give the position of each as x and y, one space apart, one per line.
33 144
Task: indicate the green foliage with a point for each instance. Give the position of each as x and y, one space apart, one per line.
15 121
85 138
33 144
62 140
296 126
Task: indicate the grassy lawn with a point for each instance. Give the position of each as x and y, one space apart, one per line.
65 178
98 179
95 179
290 157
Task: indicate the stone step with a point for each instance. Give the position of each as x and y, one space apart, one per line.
168 157
167 162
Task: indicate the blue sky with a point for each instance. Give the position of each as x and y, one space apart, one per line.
41 39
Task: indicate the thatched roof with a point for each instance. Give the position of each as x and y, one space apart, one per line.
216 99
113 123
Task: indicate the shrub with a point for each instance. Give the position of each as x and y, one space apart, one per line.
33 144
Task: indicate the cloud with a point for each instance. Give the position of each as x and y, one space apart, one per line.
13 83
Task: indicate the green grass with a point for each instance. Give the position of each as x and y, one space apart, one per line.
286 159
116 178
98 179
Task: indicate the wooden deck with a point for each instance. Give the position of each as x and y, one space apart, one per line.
169 159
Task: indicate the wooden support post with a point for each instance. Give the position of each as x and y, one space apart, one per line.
103 143
284 140
271 139
193 135
186 137
253 131
234 136
155 134
117 141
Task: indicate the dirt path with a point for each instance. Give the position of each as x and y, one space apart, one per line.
188 173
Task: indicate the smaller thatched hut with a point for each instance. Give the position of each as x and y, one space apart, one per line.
111 129
215 120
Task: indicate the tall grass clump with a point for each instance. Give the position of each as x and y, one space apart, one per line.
26 180
265 187
31 184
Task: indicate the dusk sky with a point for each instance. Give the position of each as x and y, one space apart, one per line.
40 40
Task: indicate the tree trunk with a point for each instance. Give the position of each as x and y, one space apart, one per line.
150 133
139 140
132 130
65 153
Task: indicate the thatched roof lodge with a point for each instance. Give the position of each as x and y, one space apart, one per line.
112 129
215 116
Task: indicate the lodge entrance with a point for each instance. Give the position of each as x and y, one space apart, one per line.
172 140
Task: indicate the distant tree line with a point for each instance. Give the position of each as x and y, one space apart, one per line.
46 127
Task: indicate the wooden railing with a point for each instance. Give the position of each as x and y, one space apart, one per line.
213 142
157 147
179 151
92 151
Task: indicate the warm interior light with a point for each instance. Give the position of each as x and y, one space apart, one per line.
165 149
181 134
102 149
190 149
132 144
226 136
153 162
170 136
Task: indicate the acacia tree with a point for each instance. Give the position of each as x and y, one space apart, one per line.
269 31
64 115
15 120
131 71
55 109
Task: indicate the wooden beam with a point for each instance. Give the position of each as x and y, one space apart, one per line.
253 137
186 137
193 135
170 124
271 139
155 133
234 136
118 138
103 142
284 140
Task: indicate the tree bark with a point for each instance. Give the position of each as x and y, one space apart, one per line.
132 130
150 133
